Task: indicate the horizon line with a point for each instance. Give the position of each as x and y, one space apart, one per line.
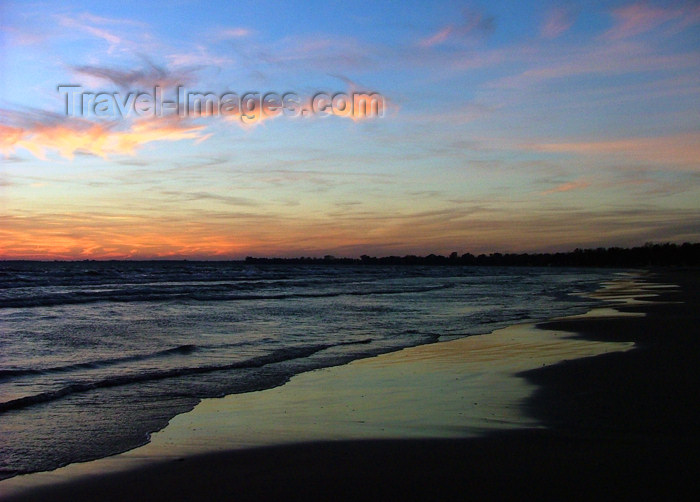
333 258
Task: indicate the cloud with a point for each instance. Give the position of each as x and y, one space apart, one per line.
143 78
112 39
641 182
678 151
9 136
197 58
235 32
453 113
326 53
106 231
638 18
567 187
197 196
24 36
474 24
602 59
104 20
557 22
119 34
42 132
437 38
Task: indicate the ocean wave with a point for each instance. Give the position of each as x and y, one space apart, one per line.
98 363
274 357
199 294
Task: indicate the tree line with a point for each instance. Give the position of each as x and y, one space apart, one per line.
666 254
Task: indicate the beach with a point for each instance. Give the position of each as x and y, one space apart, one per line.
597 405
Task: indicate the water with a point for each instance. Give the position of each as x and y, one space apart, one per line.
96 355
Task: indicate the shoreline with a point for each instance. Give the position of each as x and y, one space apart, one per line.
271 457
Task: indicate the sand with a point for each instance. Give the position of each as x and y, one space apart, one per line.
564 410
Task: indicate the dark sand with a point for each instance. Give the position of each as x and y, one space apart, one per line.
622 425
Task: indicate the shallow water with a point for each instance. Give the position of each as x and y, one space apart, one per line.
96 355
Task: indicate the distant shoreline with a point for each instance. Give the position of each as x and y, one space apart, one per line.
649 255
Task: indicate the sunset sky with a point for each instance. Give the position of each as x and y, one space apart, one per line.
507 126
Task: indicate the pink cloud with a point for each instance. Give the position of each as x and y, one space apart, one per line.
612 58
437 38
25 36
638 18
237 32
567 187
474 23
556 23
680 151
92 18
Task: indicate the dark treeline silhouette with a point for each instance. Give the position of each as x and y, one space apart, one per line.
686 254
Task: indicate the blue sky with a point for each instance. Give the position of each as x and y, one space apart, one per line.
509 126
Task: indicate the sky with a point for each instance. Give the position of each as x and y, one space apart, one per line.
510 126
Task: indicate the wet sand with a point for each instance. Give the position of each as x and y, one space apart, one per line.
446 419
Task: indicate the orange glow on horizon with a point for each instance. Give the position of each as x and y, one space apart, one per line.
83 236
